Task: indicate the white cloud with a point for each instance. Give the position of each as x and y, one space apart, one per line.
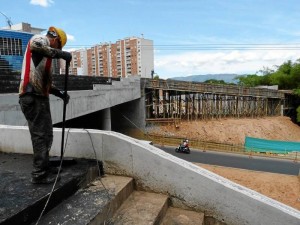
235 61
70 37
44 3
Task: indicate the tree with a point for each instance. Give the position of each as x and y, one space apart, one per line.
298 114
156 77
250 80
286 76
265 71
215 81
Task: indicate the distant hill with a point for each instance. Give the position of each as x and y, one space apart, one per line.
228 78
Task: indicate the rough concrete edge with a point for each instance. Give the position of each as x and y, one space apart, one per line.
113 205
217 178
201 171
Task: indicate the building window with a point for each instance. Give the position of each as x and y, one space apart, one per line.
10 46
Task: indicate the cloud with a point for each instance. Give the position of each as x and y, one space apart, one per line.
235 61
70 37
43 3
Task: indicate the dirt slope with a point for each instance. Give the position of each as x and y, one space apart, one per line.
233 131
280 187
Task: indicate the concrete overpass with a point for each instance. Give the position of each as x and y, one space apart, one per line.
122 96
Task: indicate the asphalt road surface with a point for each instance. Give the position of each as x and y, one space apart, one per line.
238 161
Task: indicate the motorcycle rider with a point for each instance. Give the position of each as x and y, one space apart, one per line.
185 143
183 146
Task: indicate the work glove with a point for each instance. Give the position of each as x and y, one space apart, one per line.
60 94
64 55
66 98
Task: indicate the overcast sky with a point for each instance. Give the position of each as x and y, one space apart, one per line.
190 36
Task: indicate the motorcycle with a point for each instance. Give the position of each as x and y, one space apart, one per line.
183 149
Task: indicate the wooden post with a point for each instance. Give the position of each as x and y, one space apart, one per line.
296 160
250 155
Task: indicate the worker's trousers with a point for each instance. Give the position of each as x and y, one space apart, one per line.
37 113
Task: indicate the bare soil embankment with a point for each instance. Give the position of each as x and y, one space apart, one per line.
233 131
283 188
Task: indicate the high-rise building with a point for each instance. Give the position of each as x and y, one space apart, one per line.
128 57
78 65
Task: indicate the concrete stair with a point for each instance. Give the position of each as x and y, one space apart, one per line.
81 197
113 200
141 208
177 216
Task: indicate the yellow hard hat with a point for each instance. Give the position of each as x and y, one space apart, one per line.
61 34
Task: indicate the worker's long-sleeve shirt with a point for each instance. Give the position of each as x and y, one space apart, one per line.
36 76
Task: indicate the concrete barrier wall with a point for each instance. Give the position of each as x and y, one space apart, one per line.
156 170
9 83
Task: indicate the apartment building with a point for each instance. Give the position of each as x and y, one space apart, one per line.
131 56
78 65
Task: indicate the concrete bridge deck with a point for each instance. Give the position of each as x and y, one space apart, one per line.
82 102
149 99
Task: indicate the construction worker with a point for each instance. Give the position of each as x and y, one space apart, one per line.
35 87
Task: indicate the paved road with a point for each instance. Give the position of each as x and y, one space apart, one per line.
239 161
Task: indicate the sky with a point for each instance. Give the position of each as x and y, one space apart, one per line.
190 37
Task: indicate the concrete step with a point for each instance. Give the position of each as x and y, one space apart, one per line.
176 216
141 208
94 204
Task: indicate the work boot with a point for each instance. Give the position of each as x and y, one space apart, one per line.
54 170
45 180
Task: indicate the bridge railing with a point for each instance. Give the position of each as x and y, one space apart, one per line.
9 83
210 88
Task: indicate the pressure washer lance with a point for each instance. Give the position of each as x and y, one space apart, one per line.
64 111
55 160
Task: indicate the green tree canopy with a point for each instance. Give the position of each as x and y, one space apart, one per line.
215 81
286 76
